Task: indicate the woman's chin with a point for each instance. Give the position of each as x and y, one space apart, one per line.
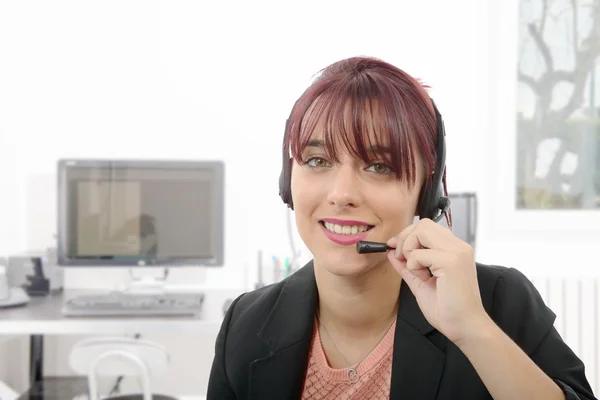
339 264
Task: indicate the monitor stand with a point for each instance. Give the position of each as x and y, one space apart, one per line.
148 280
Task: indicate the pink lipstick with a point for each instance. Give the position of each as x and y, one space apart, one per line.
345 239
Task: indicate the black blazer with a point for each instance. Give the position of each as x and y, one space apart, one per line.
262 348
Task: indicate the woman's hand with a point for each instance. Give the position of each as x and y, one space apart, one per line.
450 299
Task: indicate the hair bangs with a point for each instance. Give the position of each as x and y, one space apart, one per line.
367 119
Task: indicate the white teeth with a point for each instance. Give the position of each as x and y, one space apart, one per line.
345 229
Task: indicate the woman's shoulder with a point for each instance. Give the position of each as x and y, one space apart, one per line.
255 303
514 303
496 281
251 309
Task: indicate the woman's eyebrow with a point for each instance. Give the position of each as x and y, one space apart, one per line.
379 149
316 143
372 149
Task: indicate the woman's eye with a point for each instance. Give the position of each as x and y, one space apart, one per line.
380 168
317 162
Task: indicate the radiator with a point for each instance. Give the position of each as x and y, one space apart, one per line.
576 303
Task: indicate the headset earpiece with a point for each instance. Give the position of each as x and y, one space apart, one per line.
431 199
285 191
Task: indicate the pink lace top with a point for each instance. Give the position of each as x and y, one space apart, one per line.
325 383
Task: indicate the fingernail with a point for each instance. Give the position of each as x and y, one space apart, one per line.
397 252
392 242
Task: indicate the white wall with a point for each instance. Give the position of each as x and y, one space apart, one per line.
216 80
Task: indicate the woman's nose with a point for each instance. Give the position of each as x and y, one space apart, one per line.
344 189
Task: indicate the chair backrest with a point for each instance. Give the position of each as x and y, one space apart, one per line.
85 352
118 356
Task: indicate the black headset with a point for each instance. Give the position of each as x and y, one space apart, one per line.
432 202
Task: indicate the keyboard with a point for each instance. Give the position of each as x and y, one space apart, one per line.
134 304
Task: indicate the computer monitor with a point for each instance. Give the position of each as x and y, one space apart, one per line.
140 213
464 216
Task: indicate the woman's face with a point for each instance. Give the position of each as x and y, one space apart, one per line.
338 204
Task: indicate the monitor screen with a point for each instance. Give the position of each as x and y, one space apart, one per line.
464 216
140 213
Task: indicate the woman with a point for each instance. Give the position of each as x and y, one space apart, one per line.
363 154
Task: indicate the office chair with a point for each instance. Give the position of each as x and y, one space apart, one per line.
114 356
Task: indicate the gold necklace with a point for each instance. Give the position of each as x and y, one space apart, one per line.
352 375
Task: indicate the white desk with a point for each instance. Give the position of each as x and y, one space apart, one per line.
43 316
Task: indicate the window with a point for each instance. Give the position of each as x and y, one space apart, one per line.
558 105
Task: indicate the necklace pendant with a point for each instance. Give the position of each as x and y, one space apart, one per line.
352 375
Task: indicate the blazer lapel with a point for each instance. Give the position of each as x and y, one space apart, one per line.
287 332
417 362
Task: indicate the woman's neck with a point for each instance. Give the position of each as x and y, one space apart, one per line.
358 307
